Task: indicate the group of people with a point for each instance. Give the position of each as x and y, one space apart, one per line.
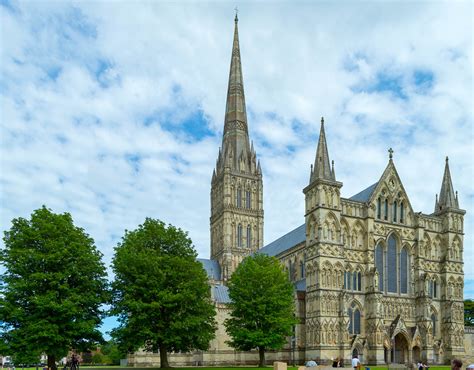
355 364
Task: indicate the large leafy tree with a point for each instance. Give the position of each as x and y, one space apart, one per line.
52 288
262 308
469 312
161 292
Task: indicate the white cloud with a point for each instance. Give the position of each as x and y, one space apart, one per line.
65 141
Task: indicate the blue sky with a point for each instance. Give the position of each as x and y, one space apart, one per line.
113 111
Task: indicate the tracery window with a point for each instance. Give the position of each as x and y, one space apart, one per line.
391 265
354 319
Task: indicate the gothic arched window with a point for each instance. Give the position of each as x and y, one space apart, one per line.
385 216
394 211
239 198
249 236
379 265
239 236
359 282
354 319
379 208
248 199
404 271
392 265
433 323
401 212
302 269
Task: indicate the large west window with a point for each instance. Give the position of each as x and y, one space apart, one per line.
393 266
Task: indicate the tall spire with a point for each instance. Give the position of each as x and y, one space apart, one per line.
446 195
322 168
235 141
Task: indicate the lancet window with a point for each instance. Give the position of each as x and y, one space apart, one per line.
249 236
352 281
238 198
239 236
248 199
354 319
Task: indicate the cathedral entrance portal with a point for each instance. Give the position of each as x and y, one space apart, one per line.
416 354
400 349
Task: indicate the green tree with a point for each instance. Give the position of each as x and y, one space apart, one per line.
262 308
469 312
161 293
112 351
52 287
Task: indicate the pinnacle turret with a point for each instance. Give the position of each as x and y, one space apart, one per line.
447 199
322 168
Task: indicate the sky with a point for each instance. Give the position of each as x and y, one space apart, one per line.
113 110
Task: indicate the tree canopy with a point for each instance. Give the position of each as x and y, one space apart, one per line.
469 312
160 292
52 289
262 308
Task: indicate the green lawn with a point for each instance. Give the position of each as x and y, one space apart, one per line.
212 368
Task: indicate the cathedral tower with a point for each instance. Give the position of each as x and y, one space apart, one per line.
236 221
451 317
324 247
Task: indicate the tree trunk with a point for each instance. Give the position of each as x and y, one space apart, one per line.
163 357
261 354
52 362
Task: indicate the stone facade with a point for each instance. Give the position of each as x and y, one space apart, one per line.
372 276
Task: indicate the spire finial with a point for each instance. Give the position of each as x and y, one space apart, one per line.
447 159
390 153
236 19
322 120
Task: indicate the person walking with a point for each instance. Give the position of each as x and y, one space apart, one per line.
355 362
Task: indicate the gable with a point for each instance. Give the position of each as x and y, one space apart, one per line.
390 188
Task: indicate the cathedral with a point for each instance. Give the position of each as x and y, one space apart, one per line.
372 276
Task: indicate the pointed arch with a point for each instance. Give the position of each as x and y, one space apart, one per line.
311 227
426 250
404 267
391 262
358 233
345 232
379 263
354 312
436 248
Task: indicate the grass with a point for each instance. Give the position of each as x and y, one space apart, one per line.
211 368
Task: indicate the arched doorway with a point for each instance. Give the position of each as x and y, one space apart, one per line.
359 353
416 354
400 349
